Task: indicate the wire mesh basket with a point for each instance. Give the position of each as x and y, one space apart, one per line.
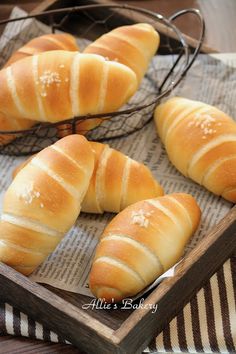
88 23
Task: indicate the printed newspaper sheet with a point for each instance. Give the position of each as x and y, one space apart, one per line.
209 80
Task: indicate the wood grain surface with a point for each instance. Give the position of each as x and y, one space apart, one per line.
220 35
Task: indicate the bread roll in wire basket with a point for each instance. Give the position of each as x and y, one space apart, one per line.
87 23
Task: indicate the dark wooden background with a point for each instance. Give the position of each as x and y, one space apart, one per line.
219 15
220 35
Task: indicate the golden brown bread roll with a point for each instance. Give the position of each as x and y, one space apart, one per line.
141 243
117 181
37 45
44 43
43 202
57 85
133 46
200 141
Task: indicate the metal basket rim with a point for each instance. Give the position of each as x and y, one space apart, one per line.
155 16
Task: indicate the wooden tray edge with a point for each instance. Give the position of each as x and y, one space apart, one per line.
54 312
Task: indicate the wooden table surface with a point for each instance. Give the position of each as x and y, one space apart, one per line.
220 34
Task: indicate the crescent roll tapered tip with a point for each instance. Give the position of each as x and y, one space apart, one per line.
141 243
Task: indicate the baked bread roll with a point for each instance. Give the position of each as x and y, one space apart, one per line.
44 43
117 181
57 85
37 45
141 243
133 46
200 141
43 202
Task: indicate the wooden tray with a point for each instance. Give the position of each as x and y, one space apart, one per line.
119 331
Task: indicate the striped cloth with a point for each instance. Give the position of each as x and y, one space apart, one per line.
206 324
